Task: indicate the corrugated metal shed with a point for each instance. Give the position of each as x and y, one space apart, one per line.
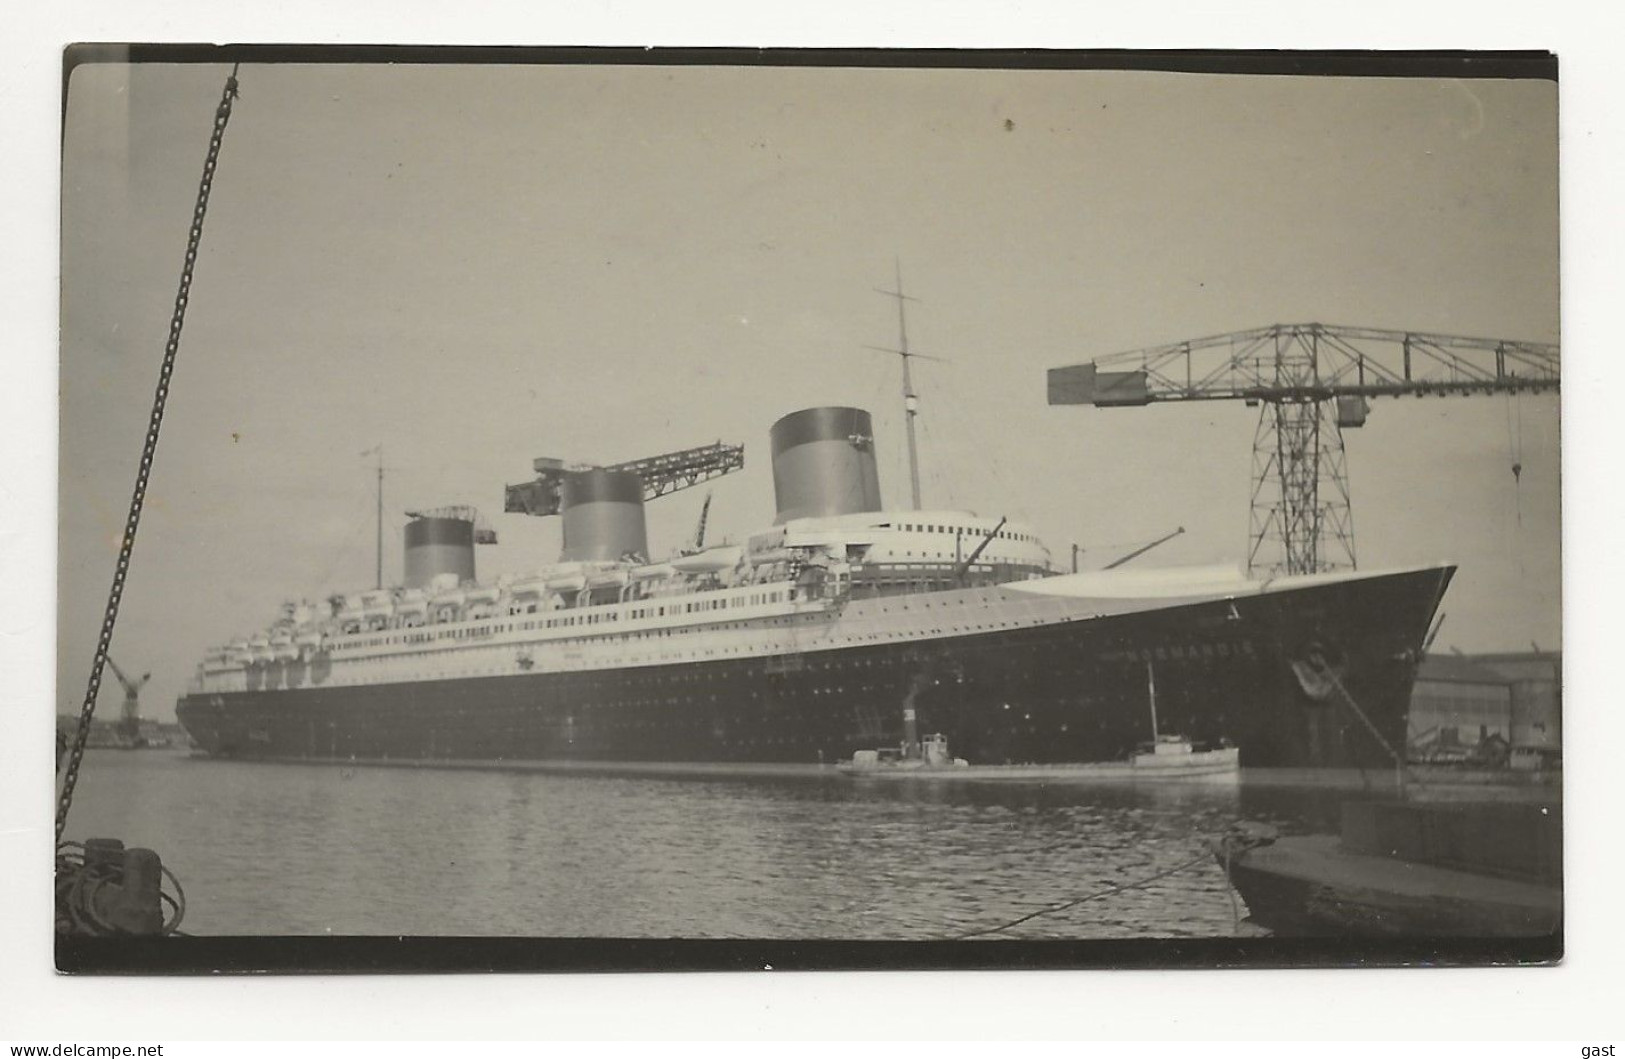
1454 669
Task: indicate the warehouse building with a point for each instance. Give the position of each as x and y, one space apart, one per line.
1490 710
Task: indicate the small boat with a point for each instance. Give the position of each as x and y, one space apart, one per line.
1176 755
351 612
414 603
710 561
310 642
454 597
1171 760
653 571
929 755
612 578
528 588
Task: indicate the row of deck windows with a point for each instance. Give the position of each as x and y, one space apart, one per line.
1003 535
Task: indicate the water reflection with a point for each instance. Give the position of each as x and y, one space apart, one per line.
291 849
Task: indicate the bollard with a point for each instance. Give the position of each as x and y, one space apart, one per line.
133 906
103 853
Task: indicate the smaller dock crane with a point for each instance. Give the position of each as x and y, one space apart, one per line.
129 721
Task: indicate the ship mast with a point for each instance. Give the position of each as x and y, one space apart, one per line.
378 551
911 401
1151 697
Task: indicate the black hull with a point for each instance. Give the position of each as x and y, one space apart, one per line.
1072 691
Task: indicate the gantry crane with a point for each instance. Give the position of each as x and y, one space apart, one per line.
666 473
1311 382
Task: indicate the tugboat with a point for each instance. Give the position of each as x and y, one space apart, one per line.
929 755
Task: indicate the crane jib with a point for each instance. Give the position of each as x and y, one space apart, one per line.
1310 382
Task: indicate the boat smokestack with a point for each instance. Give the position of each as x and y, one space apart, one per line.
438 545
603 516
824 463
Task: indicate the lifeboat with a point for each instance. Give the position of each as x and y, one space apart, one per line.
377 604
453 598
652 572
568 583
351 611
260 649
612 578
528 588
710 561
482 594
413 603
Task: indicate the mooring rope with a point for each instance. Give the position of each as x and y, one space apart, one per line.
1120 888
138 496
1240 838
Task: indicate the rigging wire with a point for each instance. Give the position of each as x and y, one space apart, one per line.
988 431
1239 838
883 386
347 548
1515 447
1517 466
149 449
942 485
1514 417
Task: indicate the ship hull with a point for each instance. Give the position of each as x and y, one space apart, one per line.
1068 691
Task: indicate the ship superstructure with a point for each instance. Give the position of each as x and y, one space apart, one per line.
810 640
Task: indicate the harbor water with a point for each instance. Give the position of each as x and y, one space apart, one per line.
290 849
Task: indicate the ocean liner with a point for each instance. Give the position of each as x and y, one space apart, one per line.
841 627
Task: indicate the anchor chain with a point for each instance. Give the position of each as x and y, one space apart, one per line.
222 115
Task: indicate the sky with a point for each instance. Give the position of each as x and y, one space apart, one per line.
474 266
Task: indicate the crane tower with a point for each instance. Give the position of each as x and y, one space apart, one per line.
130 713
1310 382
